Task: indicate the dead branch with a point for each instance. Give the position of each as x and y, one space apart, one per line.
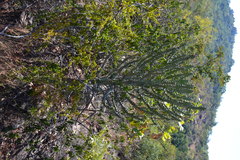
2 33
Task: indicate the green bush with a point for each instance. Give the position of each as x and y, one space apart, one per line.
151 149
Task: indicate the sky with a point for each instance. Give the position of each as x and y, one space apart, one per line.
224 142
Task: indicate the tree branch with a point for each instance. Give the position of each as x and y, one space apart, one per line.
12 36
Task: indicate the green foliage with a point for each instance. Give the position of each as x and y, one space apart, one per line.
218 60
151 149
142 51
142 63
98 147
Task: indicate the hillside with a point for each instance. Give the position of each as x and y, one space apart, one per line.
195 137
95 80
